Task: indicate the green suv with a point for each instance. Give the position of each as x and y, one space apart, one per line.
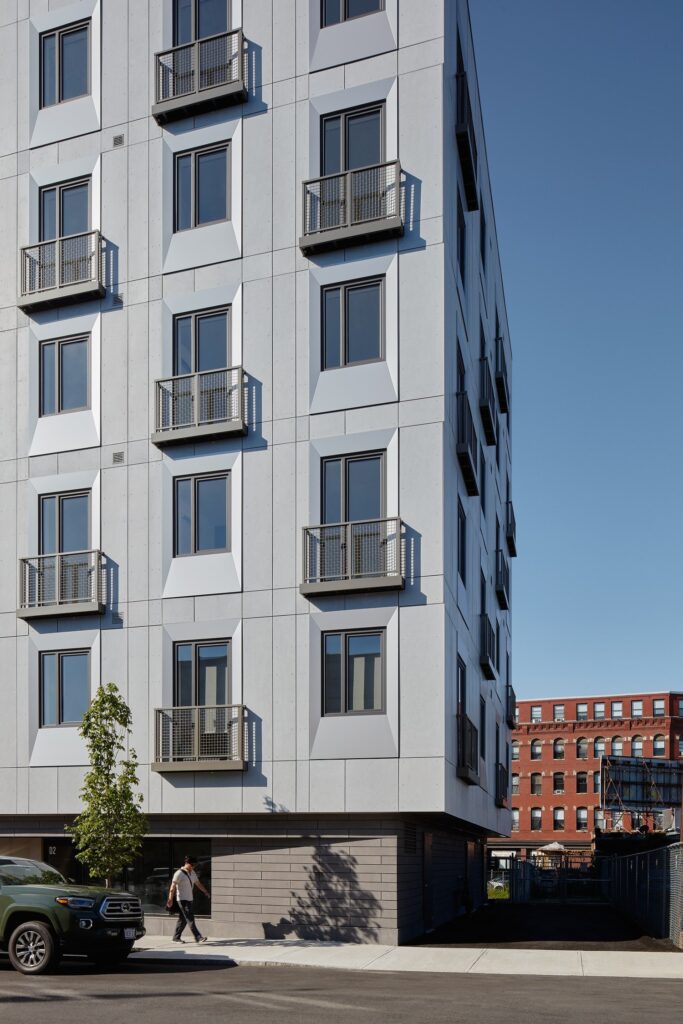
43 916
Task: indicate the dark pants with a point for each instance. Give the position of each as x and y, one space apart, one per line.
185 917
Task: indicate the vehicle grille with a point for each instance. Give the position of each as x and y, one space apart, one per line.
119 908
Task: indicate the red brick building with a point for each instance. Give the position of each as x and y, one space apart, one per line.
556 750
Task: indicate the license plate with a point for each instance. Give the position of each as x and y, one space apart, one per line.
129 933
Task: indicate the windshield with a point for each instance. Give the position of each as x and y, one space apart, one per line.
30 872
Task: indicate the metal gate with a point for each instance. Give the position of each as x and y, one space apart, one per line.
567 879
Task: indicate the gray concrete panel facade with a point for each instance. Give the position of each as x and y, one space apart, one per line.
393 765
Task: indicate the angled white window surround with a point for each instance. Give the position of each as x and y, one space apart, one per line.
219 573
350 387
161 691
351 40
211 243
360 735
68 431
73 117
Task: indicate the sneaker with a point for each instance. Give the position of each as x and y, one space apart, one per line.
178 940
202 938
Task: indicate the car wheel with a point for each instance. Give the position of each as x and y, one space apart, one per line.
32 948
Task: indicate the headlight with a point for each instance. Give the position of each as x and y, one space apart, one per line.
75 902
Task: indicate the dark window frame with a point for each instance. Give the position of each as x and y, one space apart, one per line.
461 242
195 22
196 478
194 315
59 496
59 187
344 16
195 644
536 784
58 343
344 634
194 193
58 33
344 288
561 777
482 727
345 458
582 778
60 654
363 108
483 234
462 543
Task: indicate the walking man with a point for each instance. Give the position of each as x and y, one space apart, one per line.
182 889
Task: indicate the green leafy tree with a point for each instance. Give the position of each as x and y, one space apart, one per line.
108 832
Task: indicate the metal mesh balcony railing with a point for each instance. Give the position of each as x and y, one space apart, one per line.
199 399
468 745
501 785
510 706
74 259
353 551
203 64
352 198
196 734
53 580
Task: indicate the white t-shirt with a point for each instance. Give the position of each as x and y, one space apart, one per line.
184 882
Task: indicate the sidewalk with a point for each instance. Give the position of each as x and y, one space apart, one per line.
346 956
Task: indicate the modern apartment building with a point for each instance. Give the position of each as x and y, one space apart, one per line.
255 449
557 747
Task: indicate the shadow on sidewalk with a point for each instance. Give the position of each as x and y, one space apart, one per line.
501 925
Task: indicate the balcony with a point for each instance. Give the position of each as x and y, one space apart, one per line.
510 706
199 76
502 580
502 386
210 738
511 529
197 406
501 786
487 647
466 140
352 208
66 584
466 447
361 556
487 401
468 750
62 271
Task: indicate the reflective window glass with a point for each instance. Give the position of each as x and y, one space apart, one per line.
364 675
74 63
75 686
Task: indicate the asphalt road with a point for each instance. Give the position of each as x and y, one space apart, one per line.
156 994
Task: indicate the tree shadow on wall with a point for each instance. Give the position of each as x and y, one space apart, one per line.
333 906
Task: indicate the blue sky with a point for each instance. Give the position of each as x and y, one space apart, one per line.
582 103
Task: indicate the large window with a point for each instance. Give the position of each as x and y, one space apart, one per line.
599 709
617 746
582 748
352 139
636 709
515 819
202 674
151 873
353 488
536 819
335 11
582 782
637 746
462 242
353 677
536 749
558 819
64 522
536 713
658 708
514 750
558 712
64 687
201 514
617 709
462 543
581 712
515 784
198 19
201 341
202 187
596 782
659 746
558 782
64 64
64 376
558 749
581 819
482 728
536 783
352 323
65 211
598 747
